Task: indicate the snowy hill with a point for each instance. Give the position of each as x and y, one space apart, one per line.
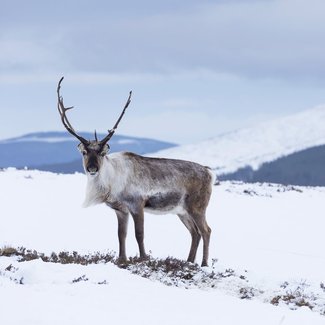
305 167
267 263
256 145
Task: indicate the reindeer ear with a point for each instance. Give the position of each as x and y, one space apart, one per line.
82 149
105 150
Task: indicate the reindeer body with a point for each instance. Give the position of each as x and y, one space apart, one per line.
132 184
160 184
129 183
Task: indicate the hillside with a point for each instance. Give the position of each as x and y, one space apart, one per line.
251 147
305 167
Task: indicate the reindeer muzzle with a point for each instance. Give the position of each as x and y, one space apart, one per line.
92 170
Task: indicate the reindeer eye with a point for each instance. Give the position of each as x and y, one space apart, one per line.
84 152
103 153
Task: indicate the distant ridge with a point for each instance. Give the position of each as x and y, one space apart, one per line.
305 167
57 151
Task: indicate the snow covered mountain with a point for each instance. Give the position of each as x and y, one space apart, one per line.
254 146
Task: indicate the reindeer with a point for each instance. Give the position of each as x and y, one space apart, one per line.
132 184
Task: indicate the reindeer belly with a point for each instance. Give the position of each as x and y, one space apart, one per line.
164 203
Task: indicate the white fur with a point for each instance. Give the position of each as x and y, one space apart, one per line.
110 180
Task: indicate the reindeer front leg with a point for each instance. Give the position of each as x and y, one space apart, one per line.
122 218
138 218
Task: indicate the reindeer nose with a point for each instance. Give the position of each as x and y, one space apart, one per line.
92 170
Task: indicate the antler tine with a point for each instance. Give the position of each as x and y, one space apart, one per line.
112 131
62 111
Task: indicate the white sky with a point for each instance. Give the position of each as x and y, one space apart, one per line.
196 68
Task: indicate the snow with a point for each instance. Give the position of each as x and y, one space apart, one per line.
256 145
269 235
127 141
55 139
32 138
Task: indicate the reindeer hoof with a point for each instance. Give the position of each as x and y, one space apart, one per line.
144 258
121 261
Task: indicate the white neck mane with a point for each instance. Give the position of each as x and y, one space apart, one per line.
98 188
111 179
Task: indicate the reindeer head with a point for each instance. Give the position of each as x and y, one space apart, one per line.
93 156
93 151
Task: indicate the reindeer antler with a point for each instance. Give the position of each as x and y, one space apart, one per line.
62 110
112 131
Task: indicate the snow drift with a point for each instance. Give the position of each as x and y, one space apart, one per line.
267 261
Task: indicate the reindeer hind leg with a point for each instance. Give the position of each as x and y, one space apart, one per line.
205 232
190 225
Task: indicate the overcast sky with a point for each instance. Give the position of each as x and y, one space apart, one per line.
196 68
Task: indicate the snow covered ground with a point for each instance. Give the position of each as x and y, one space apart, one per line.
267 245
256 145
